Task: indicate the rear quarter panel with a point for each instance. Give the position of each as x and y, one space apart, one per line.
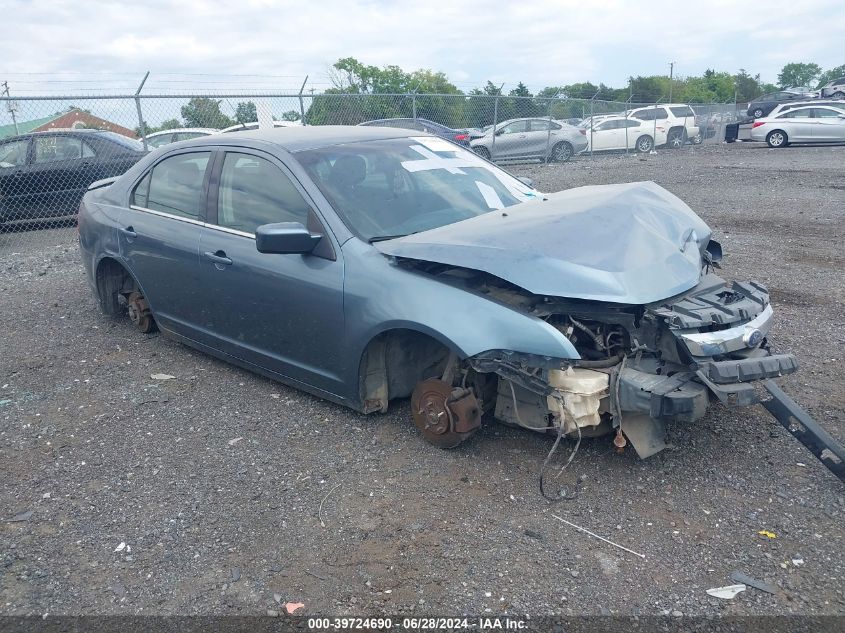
99 220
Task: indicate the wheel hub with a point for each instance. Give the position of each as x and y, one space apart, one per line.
139 312
445 415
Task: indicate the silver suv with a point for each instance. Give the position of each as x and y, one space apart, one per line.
835 89
678 117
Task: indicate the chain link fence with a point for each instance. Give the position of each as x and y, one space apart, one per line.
53 147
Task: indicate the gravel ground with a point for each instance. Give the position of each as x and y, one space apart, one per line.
221 492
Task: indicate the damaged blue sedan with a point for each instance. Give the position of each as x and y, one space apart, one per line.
366 264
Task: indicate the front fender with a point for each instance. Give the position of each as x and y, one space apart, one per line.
380 296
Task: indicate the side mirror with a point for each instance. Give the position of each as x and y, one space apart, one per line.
500 131
525 180
841 116
285 238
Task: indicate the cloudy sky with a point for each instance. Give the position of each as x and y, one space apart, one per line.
97 44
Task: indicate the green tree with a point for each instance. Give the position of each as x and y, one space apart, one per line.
204 112
798 74
649 89
830 75
169 124
291 115
246 112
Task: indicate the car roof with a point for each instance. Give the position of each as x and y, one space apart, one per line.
64 131
209 130
295 139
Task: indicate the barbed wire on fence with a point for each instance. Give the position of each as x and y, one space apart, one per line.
52 146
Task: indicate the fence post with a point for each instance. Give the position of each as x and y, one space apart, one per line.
414 104
495 121
592 121
301 102
141 125
549 134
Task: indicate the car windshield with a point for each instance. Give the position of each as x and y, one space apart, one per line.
131 143
394 187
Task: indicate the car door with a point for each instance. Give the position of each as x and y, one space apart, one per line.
605 136
62 166
282 312
16 189
828 126
798 124
542 136
510 140
159 237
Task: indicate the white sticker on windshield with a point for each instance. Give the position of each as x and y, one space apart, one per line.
490 196
433 161
435 144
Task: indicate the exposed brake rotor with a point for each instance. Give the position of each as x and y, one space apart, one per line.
139 313
445 415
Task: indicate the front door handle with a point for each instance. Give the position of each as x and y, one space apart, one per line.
129 232
218 258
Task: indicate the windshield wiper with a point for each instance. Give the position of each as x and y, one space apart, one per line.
384 238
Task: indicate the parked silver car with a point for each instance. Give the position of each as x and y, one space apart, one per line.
531 138
801 125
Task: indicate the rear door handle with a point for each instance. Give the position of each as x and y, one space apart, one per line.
129 232
218 258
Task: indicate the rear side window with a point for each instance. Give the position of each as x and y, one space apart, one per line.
253 191
174 185
649 114
825 113
53 149
683 112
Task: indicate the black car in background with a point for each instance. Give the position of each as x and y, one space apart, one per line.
461 137
762 105
45 174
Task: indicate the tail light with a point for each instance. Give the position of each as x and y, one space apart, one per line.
757 124
461 137
583 131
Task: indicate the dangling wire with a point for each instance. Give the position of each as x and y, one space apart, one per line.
574 452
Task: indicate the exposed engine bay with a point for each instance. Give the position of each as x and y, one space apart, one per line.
639 366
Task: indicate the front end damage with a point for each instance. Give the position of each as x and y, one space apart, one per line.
640 366
617 283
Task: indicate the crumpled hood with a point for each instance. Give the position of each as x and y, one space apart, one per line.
632 243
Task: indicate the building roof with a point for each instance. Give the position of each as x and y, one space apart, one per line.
24 127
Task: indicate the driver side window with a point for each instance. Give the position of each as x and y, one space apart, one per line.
253 191
13 154
515 127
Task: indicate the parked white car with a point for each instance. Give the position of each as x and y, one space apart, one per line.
619 132
242 127
810 124
678 118
835 89
165 137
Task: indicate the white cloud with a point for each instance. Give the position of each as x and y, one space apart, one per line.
540 42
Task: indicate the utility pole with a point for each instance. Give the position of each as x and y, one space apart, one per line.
11 106
671 73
